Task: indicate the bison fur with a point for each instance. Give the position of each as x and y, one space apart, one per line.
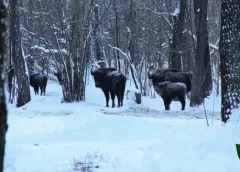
110 81
38 81
59 77
172 75
171 91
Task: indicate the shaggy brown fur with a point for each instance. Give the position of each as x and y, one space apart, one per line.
172 75
110 81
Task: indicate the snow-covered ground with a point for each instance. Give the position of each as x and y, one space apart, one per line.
47 136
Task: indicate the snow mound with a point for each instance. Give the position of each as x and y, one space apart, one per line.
152 113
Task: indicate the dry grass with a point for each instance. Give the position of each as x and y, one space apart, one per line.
89 164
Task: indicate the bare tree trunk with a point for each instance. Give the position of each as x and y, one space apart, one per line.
3 108
177 42
117 33
96 34
18 60
201 73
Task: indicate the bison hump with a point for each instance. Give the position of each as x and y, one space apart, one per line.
105 70
116 74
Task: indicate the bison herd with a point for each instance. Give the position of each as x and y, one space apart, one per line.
170 84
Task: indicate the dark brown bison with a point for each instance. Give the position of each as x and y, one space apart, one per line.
171 91
59 77
38 81
110 81
172 75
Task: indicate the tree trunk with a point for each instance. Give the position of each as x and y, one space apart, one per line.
117 33
3 108
229 57
202 69
97 50
18 60
74 63
177 42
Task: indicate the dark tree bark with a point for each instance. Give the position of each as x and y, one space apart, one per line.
23 91
177 42
3 108
229 57
202 81
77 45
117 32
97 50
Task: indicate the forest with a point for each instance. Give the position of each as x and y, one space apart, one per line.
71 37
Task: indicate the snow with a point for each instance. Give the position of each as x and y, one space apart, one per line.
213 46
177 9
46 135
48 50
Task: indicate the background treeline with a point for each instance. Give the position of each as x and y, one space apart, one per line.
68 36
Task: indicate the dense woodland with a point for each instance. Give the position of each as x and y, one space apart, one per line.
71 36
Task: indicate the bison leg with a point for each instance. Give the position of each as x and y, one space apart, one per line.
42 91
122 97
35 90
122 94
113 98
119 99
106 93
118 93
183 102
167 103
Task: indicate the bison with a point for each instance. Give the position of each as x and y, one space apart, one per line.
110 81
59 77
172 75
37 80
171 91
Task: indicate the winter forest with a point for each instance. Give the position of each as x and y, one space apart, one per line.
194 44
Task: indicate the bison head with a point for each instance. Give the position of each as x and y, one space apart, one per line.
59 77
160 74
99 74
156 76
160 87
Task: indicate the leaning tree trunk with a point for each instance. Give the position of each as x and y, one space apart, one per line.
202 69
18 60
3 108
230 57
177 42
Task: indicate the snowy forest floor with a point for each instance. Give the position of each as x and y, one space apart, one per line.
46 136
